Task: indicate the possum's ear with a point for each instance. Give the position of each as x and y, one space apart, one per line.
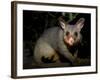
62 23
80 23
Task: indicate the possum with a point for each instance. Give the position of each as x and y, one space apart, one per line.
56 42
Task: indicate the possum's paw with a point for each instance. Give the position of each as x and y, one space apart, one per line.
76 62
82 62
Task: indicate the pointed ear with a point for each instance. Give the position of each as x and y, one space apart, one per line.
80 23
62 23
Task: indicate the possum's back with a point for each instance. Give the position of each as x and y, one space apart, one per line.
50 36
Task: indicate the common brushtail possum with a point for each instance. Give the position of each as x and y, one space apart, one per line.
58 40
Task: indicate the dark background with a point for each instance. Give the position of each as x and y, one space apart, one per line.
34 24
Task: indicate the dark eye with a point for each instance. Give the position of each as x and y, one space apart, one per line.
67 33
76 34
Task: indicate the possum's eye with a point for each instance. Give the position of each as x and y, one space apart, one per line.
76 34
67 33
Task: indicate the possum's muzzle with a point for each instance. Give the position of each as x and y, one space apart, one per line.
69 40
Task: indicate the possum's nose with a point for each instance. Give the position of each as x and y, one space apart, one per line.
71 41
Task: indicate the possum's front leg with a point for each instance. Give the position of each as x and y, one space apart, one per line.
68 55
64 50
76 53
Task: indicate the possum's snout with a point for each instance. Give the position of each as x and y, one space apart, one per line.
69 40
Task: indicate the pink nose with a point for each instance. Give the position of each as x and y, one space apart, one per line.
71 41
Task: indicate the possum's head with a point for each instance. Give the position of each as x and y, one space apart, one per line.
72 33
